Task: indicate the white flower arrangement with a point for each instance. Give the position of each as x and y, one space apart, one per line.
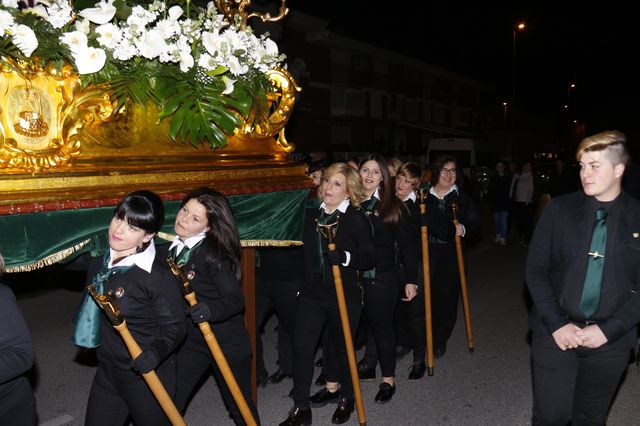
160 53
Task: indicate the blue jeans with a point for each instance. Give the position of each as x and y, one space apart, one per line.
500 218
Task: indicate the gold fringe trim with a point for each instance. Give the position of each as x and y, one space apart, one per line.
57 257
49 260
246 243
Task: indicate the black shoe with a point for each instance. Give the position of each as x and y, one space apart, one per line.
402 352
297 417
323 396
320 362
440 351
417 370
385 393
322 379
278 376
343 412
262 379
366 374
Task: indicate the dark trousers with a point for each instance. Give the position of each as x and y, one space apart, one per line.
575 386
279 296
523 217
312 315
195 360
118 394
411 321
380 300
445 290
17 405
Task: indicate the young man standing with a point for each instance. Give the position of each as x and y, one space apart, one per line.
583 273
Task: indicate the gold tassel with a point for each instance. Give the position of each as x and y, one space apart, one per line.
49 260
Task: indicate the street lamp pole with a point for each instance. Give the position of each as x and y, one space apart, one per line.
519 27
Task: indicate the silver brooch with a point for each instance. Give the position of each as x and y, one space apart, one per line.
191 274
119 292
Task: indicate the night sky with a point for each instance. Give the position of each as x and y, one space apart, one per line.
592 47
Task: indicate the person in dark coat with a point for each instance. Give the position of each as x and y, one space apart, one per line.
583 274
17 403
443 260
152 306
341 193
207 247
498 193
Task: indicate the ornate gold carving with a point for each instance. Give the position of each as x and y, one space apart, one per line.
281 100
41 112
230 11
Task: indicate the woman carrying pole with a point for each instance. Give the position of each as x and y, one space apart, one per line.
341 193
412 312
207 248
152 304
445 278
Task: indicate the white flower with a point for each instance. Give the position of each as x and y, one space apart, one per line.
228 83
76 40
60 14
186 61
25 39
6 21
140 17
175 12
151 44
101 14
125 50
235 67
83 25
110 35
271 47
167 28
89 60
10 3
38 10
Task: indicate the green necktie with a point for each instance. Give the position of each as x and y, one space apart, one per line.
590 300
182 258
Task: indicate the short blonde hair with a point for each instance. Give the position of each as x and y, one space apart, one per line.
613 141
411 171
355 189
394 165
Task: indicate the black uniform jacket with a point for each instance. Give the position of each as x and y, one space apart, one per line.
215 284
466 214
555 244
438 225
152 306
354 236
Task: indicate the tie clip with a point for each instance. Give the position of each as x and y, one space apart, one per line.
595 255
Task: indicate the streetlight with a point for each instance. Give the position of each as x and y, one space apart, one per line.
571 86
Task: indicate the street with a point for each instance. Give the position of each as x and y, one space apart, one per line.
491 386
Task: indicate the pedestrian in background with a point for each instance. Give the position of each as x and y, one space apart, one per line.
522 196
583 273
498 193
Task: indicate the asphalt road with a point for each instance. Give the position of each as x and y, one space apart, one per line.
491 386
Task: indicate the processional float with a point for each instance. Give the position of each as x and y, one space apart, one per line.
75 140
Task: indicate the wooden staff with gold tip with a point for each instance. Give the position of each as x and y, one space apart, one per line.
108 304
328 231
426 279
463 282
214 346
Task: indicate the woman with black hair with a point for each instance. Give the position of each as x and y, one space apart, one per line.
151 304
391 225
207 247
446 180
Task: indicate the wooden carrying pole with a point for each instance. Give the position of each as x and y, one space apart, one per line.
426 279
107 303
463 283
214 347
328 231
